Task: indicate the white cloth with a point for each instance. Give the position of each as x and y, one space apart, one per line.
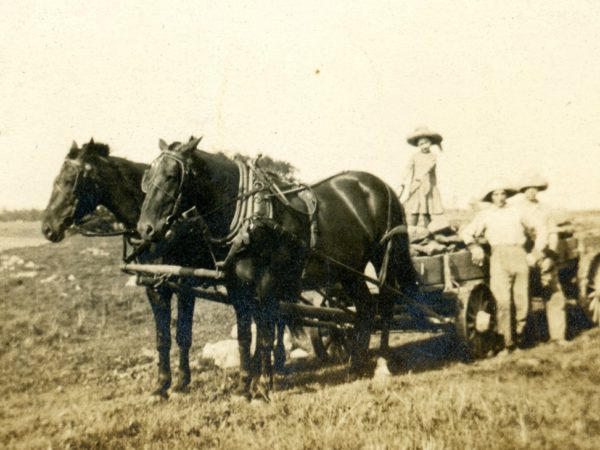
507 225
541 213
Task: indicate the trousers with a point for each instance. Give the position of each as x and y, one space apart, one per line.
555 304
509 283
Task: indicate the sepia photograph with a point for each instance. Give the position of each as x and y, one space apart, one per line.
300 225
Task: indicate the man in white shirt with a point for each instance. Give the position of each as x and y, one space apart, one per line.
552 293
505 228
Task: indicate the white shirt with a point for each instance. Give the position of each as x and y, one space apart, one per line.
542 213
507 225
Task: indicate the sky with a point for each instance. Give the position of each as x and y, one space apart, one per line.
512 86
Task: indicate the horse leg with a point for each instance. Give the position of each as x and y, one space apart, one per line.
242 303
262 382
161 308
265 326
386 311
185 317
279 352
365 314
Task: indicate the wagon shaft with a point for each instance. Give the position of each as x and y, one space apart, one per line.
328 314
163 269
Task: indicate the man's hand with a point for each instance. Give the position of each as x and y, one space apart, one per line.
477 254
532 258
546 265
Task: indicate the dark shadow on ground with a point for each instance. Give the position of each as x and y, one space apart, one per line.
424 354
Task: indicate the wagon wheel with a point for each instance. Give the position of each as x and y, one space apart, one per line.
589 300
330 344
476 320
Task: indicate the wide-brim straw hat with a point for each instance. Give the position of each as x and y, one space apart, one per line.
533 180
497 184
422 131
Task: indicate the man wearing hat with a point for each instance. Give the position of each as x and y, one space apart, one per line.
423 196
552 293
505 227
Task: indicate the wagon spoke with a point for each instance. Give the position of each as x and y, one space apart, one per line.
327 341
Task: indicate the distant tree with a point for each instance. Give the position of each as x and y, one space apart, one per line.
281 168
27 215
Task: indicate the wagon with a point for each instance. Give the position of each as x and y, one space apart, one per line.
454 297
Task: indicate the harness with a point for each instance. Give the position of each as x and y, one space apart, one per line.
253 203
254 212
77 215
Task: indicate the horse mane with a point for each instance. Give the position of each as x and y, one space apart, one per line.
103 150
97 148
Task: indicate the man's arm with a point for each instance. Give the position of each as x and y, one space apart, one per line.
475 229
538 223
469 235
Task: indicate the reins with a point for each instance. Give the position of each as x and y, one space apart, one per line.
87 233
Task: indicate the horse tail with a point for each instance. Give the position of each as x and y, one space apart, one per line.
397 267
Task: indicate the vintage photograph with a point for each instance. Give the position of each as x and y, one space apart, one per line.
300 225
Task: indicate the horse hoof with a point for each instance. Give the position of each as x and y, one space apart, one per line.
241 391
260 388
183 385
158 396
181 389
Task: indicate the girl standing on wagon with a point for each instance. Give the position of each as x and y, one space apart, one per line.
423 195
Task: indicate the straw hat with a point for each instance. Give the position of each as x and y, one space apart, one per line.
423 131
497 184
533 180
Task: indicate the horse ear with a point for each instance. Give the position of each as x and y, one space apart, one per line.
162 145
92 141
191 145
73 151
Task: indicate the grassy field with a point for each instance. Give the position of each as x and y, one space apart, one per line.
78 360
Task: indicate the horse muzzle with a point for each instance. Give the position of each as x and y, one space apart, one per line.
53 235
150 232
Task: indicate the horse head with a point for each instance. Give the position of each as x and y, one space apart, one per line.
168 187
76 190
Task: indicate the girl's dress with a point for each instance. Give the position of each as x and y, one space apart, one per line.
423 194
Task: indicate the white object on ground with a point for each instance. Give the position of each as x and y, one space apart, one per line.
224 353
381 377
23 274
49 279
94 252
299 353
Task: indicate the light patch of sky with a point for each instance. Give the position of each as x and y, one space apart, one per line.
325 85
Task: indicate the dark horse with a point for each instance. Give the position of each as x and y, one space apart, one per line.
90 177
356 210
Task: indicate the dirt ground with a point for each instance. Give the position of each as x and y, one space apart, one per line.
78 361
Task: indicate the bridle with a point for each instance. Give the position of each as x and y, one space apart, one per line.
147 181
76 191
78 210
